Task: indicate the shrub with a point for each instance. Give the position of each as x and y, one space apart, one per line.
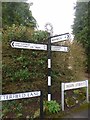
69 66
52 106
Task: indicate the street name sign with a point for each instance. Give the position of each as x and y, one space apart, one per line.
74 85
19 95
24 45
62 37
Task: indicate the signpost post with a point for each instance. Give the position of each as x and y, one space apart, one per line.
53 39
49 69
73 85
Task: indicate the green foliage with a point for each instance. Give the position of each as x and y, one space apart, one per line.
36 114
22 75
81 27
77 96
77 61
70 101
40 36
17 13
80 94
69 66
76 91
17 33
12 106
52 106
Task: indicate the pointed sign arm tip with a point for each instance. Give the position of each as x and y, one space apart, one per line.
12 44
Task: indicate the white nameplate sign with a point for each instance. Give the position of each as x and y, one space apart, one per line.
19 95
74 85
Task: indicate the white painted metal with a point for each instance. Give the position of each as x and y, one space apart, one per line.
62 96
24 45
59 48
49 97
19 95
74 85
49 80
60 38
49 63
87 92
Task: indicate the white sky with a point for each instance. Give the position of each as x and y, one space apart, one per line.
59 13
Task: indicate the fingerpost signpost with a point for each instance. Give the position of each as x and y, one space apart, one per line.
46 47
49 48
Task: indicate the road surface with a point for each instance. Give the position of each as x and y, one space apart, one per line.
81 114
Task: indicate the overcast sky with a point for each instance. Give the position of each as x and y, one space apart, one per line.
59 13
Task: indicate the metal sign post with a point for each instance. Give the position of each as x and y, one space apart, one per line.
49 69
49 29
62 96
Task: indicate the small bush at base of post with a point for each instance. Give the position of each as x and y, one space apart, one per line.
52 106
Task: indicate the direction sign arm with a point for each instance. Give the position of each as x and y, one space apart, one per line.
60 35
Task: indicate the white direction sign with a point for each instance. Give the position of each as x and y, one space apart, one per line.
25 45
19 95
34 46
59 48
59 38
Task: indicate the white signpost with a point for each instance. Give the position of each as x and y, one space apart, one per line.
73 85
24 45
62 37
